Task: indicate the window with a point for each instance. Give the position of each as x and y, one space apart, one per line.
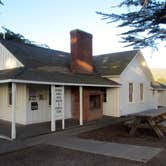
142 92
94 102
131 92
104 91
32 93
10 93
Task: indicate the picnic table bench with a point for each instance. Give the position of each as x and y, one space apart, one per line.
155 119
162 124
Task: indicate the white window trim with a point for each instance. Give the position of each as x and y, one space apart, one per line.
133 94
142 101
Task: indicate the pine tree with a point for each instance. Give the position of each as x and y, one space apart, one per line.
10 35
147 22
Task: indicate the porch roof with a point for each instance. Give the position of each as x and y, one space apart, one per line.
45 75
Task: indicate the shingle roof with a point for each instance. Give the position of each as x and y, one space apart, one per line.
114 63
42 64
8 74
46 64
48 76
33 56
51 76
158 85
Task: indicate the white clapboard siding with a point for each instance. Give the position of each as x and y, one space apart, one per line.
136 75
111 107
5 108
43 114
7 60
162 98
133 73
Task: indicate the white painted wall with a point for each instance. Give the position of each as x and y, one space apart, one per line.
24 114
111 107
133 73
5 108
43 114
67 109
162 98
7 60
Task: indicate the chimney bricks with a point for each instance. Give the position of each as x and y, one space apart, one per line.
81 52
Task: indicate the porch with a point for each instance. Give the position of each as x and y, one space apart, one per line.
28 104
32 130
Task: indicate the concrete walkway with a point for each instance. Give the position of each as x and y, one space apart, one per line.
9 146
68 139
124 151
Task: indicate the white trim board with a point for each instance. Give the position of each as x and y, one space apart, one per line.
57 83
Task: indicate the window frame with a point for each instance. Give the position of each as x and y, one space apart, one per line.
141 93
100 104
131 101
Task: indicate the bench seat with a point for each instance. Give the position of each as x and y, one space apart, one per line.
162 124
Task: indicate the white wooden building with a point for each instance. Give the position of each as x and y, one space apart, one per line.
131 71
43 85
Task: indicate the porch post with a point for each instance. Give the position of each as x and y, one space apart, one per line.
53 123
63 108
13 131
81 105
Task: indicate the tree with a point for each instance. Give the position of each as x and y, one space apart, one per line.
146 22
17 37
1 3
10 35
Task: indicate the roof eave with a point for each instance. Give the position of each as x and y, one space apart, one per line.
57 83
113 76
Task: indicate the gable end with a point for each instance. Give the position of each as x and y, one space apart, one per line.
7 59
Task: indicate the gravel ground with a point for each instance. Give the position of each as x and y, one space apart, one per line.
119 133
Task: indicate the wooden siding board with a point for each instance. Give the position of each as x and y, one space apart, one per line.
7 60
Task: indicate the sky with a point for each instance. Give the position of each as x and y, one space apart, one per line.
50 22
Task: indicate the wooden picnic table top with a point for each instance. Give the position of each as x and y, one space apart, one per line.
151 113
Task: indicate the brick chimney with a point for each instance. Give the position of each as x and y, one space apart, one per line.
81 52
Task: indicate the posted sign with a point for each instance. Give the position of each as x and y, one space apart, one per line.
59 99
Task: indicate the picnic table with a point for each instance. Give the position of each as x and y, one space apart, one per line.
155 119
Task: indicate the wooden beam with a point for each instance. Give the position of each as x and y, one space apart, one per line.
63 108
81 104
157 130
134 127
53 120
13 130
